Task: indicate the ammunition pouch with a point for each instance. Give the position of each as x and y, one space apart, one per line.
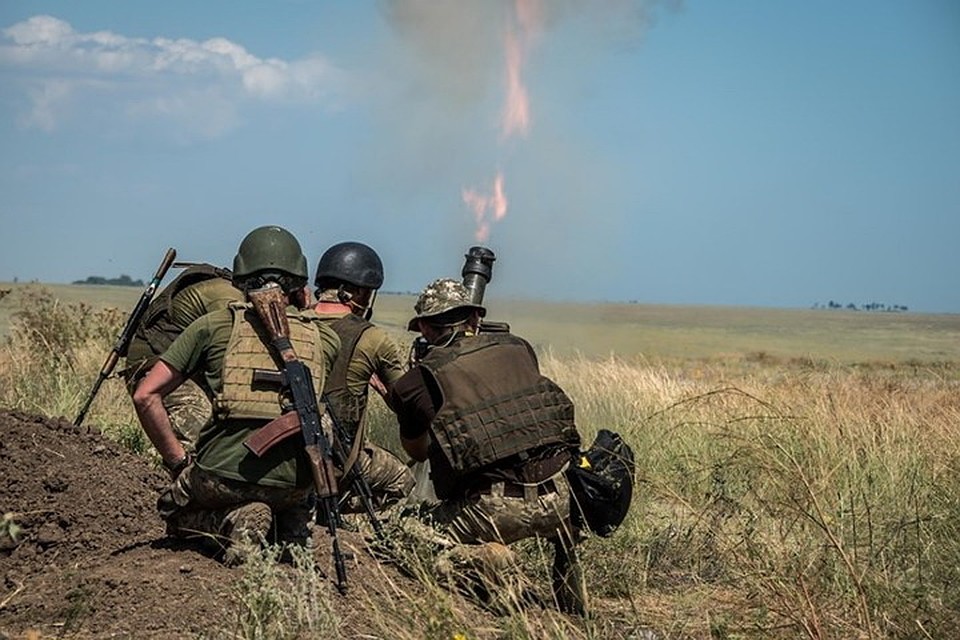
602 484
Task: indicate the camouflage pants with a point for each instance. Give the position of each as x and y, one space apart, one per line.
504 519
190 410
188 406
202 504
390 480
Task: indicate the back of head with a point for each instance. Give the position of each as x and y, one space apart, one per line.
270 254
352 263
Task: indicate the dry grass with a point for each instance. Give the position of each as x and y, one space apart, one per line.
824 499
778 495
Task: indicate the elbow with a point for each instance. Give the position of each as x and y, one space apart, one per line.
140 398
143 399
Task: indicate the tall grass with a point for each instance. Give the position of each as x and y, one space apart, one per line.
824 499
277 602
52 357
774 498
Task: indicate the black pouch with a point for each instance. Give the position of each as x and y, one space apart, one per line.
602 484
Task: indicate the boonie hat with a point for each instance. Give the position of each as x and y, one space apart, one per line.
440 296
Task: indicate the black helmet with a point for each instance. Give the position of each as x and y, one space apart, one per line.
351 262
269 249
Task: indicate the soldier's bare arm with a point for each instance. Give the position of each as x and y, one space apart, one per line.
148 400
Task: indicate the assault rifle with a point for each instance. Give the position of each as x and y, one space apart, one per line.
281 429
130 328
270 306
353 475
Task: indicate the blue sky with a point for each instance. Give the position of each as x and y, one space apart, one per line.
757 152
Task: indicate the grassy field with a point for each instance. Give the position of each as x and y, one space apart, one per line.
636 331
798 471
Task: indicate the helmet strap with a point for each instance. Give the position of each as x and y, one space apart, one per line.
368 311
348 298
344 296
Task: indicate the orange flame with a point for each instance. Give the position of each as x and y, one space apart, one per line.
515 116
487 208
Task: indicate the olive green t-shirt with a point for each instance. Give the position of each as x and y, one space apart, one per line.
200 349
376 353
202 298
187 305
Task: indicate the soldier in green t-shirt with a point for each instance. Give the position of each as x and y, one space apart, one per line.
227 493
348 277
198 290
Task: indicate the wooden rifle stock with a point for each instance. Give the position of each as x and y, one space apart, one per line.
269 304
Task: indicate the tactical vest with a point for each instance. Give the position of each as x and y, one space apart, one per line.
496 404
347 407
247 351
157 328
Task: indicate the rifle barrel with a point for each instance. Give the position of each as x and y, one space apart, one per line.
126 336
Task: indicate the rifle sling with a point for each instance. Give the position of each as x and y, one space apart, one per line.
354 448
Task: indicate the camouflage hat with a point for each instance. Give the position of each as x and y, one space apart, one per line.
441 296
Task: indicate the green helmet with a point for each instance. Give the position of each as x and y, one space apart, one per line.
269 249
441 296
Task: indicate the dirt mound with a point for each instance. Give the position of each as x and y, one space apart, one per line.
83 551
84 554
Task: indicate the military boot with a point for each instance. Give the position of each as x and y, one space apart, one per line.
246 528
488 571
569 589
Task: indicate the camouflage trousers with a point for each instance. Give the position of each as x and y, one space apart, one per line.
188 406
543 512
190 410
390 480
202 504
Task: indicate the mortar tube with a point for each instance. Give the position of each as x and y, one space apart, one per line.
477 272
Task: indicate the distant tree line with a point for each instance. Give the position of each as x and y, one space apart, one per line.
870 306
123 281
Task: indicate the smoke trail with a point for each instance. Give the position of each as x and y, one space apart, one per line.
464 77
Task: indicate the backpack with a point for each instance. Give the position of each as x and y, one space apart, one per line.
602 484
156 328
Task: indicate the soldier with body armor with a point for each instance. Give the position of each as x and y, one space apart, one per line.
198 290
498 436
347 279
226 493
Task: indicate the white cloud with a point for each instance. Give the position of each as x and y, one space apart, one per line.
45 100
56 63
39 30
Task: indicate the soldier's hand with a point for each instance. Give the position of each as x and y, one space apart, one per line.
176 468
378 385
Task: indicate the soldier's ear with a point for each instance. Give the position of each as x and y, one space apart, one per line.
343 295
300 298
